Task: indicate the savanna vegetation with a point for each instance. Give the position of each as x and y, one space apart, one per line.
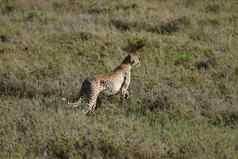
183 98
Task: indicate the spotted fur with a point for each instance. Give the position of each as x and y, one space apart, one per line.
116 82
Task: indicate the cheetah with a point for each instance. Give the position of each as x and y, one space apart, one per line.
116 82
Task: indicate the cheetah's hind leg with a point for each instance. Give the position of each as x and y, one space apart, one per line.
92 104
91 109
124 95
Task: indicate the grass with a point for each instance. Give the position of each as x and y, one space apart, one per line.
183 101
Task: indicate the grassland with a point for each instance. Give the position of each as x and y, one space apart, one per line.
184 96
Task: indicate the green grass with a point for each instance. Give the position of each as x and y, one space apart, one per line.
183 102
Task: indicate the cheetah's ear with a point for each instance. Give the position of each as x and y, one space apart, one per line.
132 57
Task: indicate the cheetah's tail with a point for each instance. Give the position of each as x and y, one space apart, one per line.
73 104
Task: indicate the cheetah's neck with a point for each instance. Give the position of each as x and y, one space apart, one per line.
121 67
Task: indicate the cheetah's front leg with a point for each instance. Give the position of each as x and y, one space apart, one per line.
125 94
125 86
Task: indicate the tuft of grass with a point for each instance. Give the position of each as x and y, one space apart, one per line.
182 57
183 97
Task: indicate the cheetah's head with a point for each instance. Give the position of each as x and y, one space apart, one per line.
132 59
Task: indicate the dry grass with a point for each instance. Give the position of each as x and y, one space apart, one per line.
184 97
